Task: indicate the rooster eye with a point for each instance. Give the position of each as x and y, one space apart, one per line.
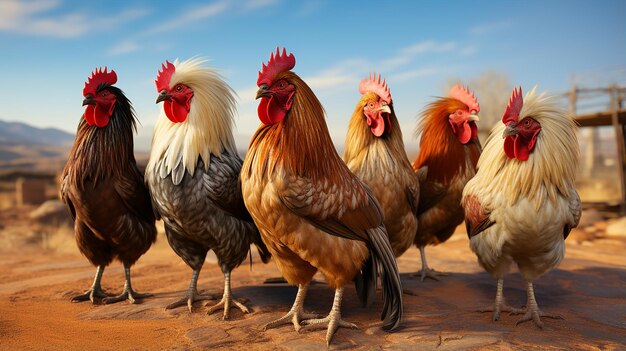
527 122
282 84
371 105
104 94
179 88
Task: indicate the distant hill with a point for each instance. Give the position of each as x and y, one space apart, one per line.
22 133
31 149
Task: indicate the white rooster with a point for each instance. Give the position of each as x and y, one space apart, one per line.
522 204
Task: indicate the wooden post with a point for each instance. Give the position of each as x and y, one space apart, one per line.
619 140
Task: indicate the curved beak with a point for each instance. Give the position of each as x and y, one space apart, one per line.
163 95
384 109
89 100
263 91
473 117
509 130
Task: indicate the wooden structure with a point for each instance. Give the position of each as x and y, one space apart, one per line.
615 117
30 191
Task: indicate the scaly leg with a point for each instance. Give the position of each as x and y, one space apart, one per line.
95 291
128 293
333 320
296 314
192 294
427 272
227 300
533 312
500 304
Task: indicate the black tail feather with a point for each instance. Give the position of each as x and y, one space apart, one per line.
263 251
365 283
384 260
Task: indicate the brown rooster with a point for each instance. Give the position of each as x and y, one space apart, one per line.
103 189
313 213
522 203
449 150
375 153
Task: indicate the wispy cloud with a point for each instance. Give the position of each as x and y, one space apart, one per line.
257 4
420 73
191 15
487 28
36 18
124 47
406 55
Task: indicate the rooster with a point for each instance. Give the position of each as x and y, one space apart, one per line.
313 213
449 151
375 153
522 204
193 176
103 189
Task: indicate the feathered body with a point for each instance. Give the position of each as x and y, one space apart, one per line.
104 190
193 175
520 211
313 213
444 165
382 164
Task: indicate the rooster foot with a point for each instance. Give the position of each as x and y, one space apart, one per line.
226 304
535 315
333 322
189 300
429 273
128 294
92 295
501 307
295 316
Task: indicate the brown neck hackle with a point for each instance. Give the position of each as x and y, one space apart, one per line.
300 143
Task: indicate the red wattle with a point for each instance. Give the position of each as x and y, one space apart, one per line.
174 111
270 112
101 117
509 148
521 149
377 126
463 132
89 114
262 111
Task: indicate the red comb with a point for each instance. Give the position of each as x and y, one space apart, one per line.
276 64
374 85
165 75
98 77
514 107
463 94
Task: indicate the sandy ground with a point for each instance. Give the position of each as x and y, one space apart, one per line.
588 289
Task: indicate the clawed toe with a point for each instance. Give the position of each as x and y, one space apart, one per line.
190 299
332 322
429 273
535 315
129 295
292 317
226 305
92 295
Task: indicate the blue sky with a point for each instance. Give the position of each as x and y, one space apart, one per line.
49 47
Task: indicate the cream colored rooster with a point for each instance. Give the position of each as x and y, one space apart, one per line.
522 204
375 153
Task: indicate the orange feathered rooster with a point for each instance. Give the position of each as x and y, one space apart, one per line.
313 213
449 151
375 153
